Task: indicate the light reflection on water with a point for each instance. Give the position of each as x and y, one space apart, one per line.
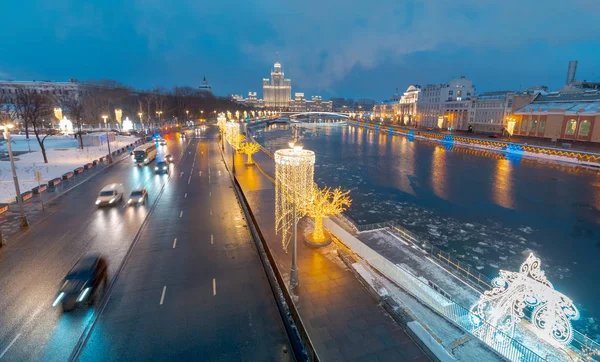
485 209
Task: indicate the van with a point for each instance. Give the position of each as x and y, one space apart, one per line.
110 195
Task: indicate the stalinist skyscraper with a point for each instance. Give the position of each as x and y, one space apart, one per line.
278 92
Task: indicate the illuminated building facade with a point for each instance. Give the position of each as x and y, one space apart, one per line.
490 111
277 92
407 106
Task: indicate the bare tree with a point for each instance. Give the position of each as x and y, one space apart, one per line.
33 108
74 105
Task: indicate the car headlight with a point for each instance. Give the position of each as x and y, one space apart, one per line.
97 202
140 199
129 201
165 167
83 294
58 299
155 168
111 201
145 160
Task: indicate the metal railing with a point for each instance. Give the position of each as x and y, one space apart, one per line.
580 343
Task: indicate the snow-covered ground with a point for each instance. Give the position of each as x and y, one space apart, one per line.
63 156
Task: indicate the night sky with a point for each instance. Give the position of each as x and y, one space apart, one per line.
333 48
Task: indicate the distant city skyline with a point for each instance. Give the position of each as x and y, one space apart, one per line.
366 50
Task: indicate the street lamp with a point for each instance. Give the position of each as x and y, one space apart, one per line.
159 114
110 160
141 123
24 222
187 115
118 116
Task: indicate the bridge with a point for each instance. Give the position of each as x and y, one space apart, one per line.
294 115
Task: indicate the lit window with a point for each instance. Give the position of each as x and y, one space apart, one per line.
542 127
533 126
524 125
571 126
584 128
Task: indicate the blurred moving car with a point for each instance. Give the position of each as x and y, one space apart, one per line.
83 283
161 167
138 196
169 158
163 142
110 194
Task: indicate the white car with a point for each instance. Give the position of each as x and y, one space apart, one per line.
110 195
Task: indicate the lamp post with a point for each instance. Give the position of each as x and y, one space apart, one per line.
187 116
24 222
159 113
118 116
141 123
110 160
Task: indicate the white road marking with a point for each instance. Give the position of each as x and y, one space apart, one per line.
209 170
185 196
214 286
181 213
189 179
211 212
208 178
219 172
210 194
162 296
19 335
200 173
212 239
181 174
192 170
174 243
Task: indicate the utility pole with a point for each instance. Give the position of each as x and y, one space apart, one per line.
23 220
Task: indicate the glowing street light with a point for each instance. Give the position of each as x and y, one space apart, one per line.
141 122
110 160
118 116
6 127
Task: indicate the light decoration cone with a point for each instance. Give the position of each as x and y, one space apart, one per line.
118 115
510 127
127 124
65 125
294 174
58 113
503 306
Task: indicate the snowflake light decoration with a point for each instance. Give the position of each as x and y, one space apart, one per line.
504 305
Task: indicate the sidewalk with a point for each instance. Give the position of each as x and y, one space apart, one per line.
344 321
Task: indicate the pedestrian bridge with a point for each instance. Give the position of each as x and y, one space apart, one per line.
333 114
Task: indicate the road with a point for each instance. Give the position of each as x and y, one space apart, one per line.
164 303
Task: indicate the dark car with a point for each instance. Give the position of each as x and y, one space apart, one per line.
161 167
138 196
83 283
169 158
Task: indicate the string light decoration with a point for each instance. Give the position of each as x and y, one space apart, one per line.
323 203
118 115
512 292
294 173
221 122
250 148
232 133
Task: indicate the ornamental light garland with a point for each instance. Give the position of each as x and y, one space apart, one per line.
504 305
232 132
294 174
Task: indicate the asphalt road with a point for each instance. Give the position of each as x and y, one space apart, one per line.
238 321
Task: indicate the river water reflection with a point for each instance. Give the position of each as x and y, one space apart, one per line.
485 209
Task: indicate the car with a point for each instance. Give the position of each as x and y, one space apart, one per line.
169 158
83 283
182 135
138 196
163 142
110 194
161 167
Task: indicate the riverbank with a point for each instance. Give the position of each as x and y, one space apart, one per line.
521 147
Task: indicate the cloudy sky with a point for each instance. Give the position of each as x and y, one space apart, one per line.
335 48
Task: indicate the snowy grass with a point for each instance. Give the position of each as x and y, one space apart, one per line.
63 156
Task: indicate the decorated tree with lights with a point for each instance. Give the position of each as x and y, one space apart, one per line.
237 140
250 148
325 202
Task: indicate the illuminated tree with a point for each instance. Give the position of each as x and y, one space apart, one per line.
325 202
236 141
250 148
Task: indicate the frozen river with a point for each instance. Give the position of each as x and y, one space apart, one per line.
484 209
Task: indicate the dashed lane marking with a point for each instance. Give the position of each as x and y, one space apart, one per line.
185 196
174 243
212 241
214 286
162 296
19 335
181 213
